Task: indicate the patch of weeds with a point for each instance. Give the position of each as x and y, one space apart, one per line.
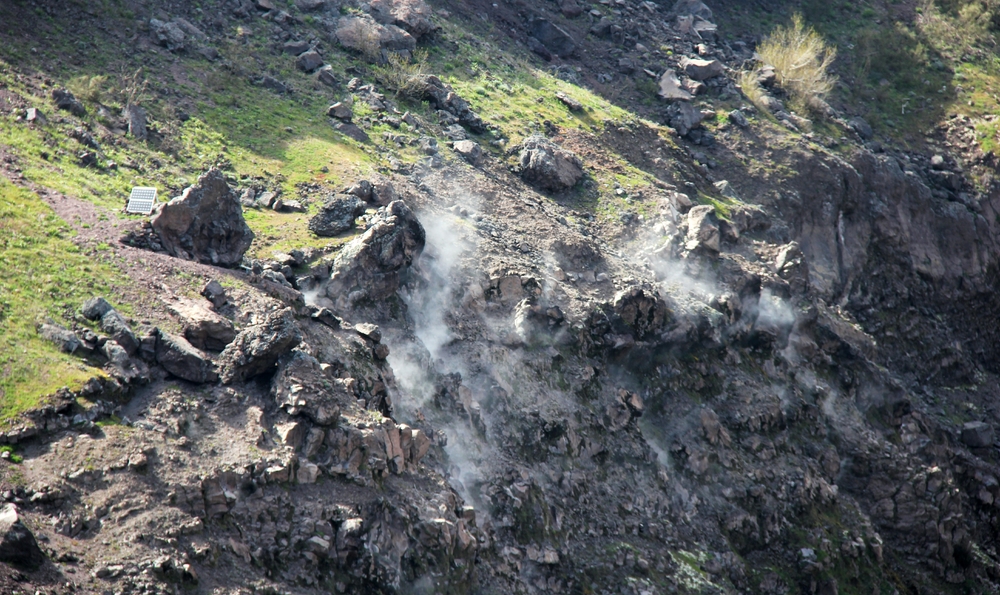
13 457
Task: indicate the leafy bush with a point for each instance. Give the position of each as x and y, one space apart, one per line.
801 60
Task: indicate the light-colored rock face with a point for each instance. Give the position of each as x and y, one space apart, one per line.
203 328
205 223
549 166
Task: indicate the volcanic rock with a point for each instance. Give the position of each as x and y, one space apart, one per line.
205 223
257 348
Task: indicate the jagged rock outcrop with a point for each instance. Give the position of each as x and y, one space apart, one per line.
205 223
370 267
302 387
257 348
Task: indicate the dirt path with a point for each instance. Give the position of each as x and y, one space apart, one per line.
149 276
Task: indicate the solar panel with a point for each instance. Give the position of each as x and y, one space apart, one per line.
141 200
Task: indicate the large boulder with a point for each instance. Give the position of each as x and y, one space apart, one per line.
548 166
552 37
17 544
202 327
184 360
258 347
205 223
413 16
370 266
337 215
301 387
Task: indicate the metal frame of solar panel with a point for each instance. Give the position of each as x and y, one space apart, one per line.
141 200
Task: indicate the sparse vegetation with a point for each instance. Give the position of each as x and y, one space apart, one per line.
403 74
801 59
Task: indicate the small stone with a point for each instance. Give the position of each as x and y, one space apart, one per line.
369 331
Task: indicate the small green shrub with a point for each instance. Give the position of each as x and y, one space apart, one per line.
748 83
801 59
89 88
404 75
14 457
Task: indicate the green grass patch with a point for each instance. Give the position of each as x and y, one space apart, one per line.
13 456
46 275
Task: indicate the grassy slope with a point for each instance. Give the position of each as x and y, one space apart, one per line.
45 275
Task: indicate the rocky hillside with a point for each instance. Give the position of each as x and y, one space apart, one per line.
471 297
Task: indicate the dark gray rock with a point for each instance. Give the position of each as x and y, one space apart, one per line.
309 61
122 366
443 97
205 223
257 348
17 544
859 125
326 76
553 37
168 34
184 360
215 293
95 308
296 47
370 266
310 5
351 131
337 215
977 434
115 325
63 338
548 166
67 101
684 117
